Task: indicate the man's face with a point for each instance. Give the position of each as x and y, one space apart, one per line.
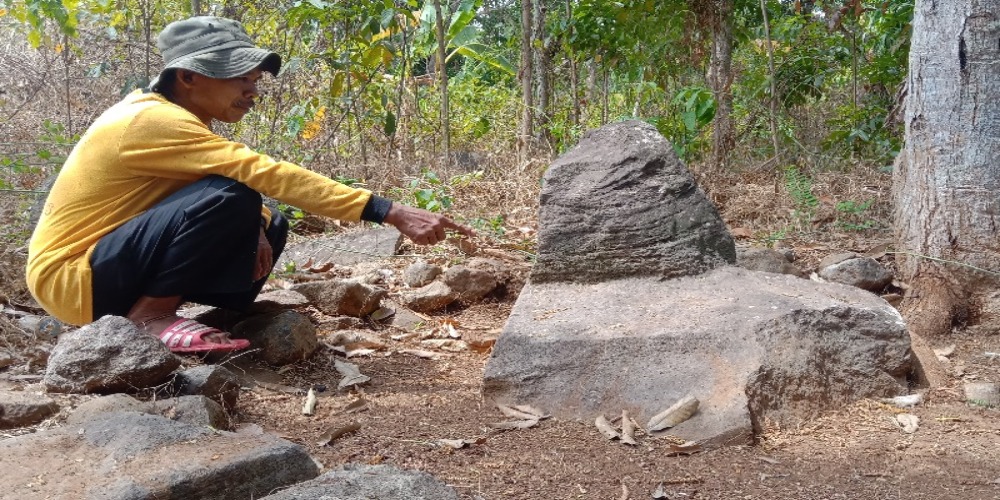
226 100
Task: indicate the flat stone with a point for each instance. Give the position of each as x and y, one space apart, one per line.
365 482
100 406
212 381
345 249
132 456
278 300
108 355
432 297
420 273
750 346
767 260
194 410
23 409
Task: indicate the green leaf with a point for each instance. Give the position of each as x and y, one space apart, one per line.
390 123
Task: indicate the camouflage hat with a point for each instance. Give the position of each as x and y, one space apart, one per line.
212 46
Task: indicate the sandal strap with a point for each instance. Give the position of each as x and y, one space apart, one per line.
183 332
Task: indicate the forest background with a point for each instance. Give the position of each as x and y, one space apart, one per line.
789 112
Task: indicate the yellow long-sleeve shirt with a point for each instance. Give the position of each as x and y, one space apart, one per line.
134 155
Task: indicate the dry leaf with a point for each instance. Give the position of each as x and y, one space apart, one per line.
309 407
879 251
659 494
628 429
353 353
687 448
355 406
307 265
606 429
908 423
515 413
465 245
421 354
458 444
334 433
450 345
534 412
352 374
679 412
322 268
515 424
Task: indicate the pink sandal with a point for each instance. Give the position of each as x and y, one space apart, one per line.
187 335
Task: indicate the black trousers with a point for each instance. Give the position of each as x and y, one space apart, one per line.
199 243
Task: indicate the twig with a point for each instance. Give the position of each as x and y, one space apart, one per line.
946 261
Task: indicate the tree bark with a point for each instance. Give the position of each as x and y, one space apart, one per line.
442 70
526 74
946 184
543 74
774 83
720 78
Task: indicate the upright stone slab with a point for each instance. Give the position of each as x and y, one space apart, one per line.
621 204
632 306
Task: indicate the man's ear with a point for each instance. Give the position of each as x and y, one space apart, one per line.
186 77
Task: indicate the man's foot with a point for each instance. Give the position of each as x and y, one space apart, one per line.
158 324
189 336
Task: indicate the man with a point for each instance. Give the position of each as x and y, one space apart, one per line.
152 209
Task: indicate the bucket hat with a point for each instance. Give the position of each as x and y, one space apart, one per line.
212 46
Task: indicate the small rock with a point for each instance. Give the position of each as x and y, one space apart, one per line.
470 284
863 272
278 300
420 273
6 360
432 297
983 394
108 355
406 319
212 381
510 279
283 339
194 410
20 409
342 297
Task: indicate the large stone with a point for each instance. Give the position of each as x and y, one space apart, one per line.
282 339
364 482
100 406
620 204
21 409
862 272
194 410
108 355
345 249
342 297
430 298
749 346
131 456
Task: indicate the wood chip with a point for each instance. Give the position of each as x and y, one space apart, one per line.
458 444
336 432
514 424
687 448
628 429
309 407
677 413
515 413
531 410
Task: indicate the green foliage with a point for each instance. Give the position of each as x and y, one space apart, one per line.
799 187
493 225
852 215
692 110
35 13
429 192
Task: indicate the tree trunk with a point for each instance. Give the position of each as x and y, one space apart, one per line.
774 83
442 70
573 72
526 74
946 184
720 78
542 70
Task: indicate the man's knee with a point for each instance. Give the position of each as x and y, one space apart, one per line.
232 196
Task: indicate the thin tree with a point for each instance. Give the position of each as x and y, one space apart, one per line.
774 83
720 79
526 75
946 184
441 68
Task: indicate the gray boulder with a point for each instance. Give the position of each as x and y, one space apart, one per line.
132 456
364 482
766 260
194 410
750 346
99 406
620 204
22 409
283 338
108 355
278 300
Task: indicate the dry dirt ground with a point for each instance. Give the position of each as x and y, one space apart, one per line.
411 403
